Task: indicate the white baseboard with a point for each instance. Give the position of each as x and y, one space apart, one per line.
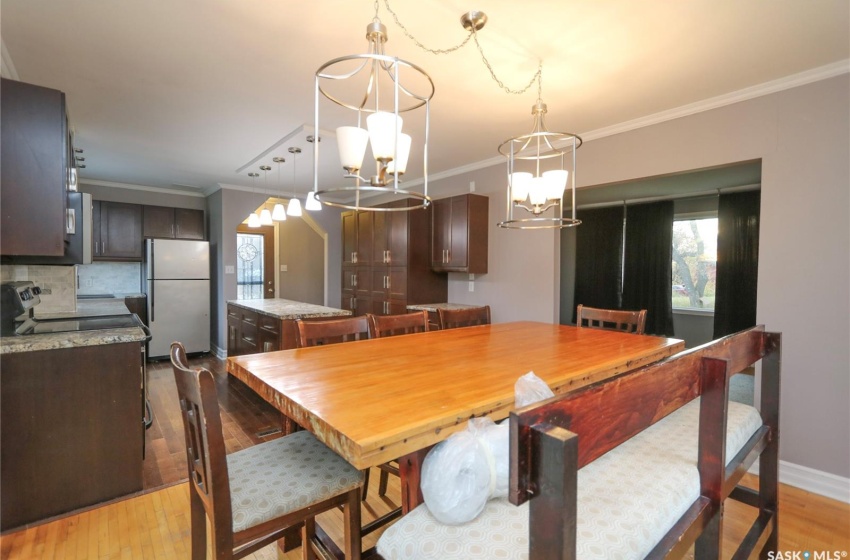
812 480
219 353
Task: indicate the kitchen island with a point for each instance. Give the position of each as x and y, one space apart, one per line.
267 325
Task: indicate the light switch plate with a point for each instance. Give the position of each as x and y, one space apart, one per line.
229 269
472 286
284 268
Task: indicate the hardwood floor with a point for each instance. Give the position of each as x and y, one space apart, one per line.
243 416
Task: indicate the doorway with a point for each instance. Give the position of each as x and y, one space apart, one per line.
255 251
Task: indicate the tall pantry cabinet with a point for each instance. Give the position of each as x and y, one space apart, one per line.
386 261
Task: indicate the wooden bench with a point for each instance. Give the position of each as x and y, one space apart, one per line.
660 449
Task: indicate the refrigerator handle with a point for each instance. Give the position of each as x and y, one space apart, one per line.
152 277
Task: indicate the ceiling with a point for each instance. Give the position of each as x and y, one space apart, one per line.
191 94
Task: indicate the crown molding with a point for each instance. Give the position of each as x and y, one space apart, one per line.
133 187
789 82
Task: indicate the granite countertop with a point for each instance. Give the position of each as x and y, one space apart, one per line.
434 306
85 308
286 309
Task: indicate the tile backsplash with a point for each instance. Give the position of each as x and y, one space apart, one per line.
109 278
58 284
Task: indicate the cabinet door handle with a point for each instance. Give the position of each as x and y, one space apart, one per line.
267 346
354 280
354 257
388 282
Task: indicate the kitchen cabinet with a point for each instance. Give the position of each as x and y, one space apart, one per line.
242 331
34 170
71 429
390 264
460 234
117 231
173 223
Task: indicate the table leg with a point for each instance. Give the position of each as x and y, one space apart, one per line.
410 467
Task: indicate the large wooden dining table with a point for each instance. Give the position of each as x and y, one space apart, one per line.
376 400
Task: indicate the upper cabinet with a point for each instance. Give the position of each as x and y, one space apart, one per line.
173 223
35 170
117 231
460 234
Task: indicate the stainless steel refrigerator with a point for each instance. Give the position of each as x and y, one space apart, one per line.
178 290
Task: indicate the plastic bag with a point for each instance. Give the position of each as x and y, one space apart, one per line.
461 473
530 389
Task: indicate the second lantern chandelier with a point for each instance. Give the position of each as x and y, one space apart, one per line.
379 75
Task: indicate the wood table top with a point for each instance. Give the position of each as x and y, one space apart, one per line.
376 400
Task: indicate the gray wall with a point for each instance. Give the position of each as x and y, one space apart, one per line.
803 139
302 250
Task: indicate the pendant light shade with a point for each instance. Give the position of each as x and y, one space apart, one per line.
279 213
294 208
383 129
312 204
351 142
266 217
400 162
253 220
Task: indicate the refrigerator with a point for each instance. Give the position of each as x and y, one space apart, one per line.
178 288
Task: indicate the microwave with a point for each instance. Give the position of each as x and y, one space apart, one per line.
78 235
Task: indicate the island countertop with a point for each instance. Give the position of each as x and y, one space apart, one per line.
432 307
286 309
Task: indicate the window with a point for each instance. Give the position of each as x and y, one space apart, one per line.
694 262
249 266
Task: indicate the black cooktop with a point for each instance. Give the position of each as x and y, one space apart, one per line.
104 322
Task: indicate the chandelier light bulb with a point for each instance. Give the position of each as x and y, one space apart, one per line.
556 182
519 182
537 191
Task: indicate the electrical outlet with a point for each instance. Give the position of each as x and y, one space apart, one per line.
229 269
472 186
87 282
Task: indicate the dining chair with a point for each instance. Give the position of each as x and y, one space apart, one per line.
332 331
257 495
391 325
471 316
611 319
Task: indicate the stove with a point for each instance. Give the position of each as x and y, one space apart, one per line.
78 324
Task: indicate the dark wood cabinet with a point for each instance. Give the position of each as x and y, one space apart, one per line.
34 164
390 265
460 234
138 306
117 231
71 429
173 223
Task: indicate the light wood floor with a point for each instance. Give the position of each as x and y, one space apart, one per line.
156 525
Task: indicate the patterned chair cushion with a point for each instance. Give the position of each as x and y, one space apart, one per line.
284 475
627 499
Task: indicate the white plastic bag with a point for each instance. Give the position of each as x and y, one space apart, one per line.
461 473
530 389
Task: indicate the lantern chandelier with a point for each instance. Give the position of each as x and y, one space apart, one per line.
390 147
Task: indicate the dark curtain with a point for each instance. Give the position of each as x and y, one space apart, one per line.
599 250
648 264
737 262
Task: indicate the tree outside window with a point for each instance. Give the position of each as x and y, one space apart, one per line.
694 263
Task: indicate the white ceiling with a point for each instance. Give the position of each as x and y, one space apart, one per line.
181 94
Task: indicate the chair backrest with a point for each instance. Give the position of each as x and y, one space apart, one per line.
318 333
471 316
391 325
611 319
205 451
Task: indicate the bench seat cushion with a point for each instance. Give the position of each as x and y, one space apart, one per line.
285 475
627 499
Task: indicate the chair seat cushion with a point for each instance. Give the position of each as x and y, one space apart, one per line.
627 499
285 475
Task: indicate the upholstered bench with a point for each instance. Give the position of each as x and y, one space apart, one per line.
627 499
640 486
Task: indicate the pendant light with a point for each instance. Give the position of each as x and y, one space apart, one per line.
265 215
279 212
294 208
253 219
383 131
